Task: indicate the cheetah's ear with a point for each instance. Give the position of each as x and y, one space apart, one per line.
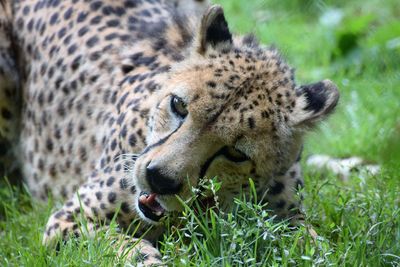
214 30
314 102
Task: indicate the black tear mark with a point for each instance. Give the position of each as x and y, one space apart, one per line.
161 141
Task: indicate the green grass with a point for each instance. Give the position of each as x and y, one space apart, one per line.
358 221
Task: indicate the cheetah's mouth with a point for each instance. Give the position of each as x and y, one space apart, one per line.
150 207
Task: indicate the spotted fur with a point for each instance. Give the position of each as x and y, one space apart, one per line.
98 128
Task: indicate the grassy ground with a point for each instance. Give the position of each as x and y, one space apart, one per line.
356 44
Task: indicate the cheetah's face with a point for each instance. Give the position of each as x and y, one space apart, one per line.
231 110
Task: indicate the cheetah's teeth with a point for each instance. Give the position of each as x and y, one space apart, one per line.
158 213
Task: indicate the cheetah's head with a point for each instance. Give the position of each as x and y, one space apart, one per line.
230 110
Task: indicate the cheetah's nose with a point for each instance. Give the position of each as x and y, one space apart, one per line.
161 184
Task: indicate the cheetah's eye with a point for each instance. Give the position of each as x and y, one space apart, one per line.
178 107
234 155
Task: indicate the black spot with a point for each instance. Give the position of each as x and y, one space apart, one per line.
69 217
94 56
75 63
236 106
74 85
87 202
67 40
61 110
57 134
94 6
127 68
62 32
110 215
123 183
54 3
49 145
53 19
68 13
211 84
82 31
40 98
99 195
113 144
123 132
145 13
59 214
133 189
113 23
132 140
125 207
280 204
94 78
119 11
264 114
108 10
118 167
110 181
130 3
92 41
26 10
30 25
96 20
111 36
72 49
277 188
112 197
82 16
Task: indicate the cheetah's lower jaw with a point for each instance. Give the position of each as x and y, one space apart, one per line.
150 207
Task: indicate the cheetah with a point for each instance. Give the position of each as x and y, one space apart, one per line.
119 107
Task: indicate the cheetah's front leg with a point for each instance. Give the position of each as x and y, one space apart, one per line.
282 194
284 199
96 203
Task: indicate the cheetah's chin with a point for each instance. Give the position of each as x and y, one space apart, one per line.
150 207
